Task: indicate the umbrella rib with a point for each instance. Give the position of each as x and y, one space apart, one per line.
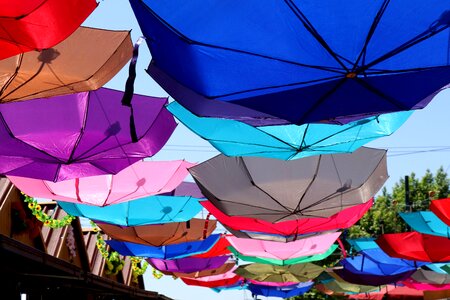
297 208
307 24
379 93
383 72
372 29
82 129
13 76
322 99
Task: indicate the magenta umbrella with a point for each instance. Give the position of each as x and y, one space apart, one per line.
141 179
80 135
283 251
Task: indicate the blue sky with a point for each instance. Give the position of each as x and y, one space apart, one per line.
426 130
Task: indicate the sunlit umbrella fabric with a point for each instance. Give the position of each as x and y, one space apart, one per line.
287 142
57 139
228 266
143 211
290 273
441 208
85 61
188 264
141 179
284 251
161 234
283 262
28 25
415 246
275 190
164 252
302 61
426 222
341 220
282 292
220 248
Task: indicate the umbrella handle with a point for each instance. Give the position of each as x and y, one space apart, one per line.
341 245
205 229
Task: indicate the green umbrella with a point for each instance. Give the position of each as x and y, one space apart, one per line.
280 262
271 273
345 287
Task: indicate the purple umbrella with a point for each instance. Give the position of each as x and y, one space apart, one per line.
187 264
79 135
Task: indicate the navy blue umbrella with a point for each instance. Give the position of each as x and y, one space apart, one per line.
280 291
301 61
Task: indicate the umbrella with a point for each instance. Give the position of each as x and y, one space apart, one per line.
287 142
293 228
416 246
164 252
85 61
141 179
426 222
275 190
291 273
282 292
144 211
188 264
301 61
425 286
284 251
369 279
271 236
441 208
377 262
161 234
283 284
215 281
431 277
79 135
363 244
339 286
220 248
39 24
186 189
438 267
281 262
204 273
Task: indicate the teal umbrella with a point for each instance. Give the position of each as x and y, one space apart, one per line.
234 138
426 222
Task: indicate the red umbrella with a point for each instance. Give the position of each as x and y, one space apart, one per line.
220 248
27 25
441 208
415 246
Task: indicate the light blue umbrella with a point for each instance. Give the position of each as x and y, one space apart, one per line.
363 244
234 138
143 211
426 222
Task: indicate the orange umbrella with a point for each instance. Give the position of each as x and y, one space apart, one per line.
85 61
161 234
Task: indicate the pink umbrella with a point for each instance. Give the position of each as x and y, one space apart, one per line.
268 283
283 251
422 286
144 178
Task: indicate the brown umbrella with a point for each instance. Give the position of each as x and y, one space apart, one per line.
85 61
161 234
271 273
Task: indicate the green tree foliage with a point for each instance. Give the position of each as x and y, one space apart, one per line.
383 216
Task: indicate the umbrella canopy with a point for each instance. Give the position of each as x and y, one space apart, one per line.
268 283
302 61
164 252
431 277
411 283
340 286
416 246
291 273
377 262
57 139
441 208
186 189
275 190
164 209
284 251
438 267
85 61
188 264
293 228
282 292
281 262
205 273
39 24
369 279
426 222
363 244
234 138
215 281
161 234
141 179
220 248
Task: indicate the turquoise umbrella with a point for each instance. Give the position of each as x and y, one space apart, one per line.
143 211
234 138
426 222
